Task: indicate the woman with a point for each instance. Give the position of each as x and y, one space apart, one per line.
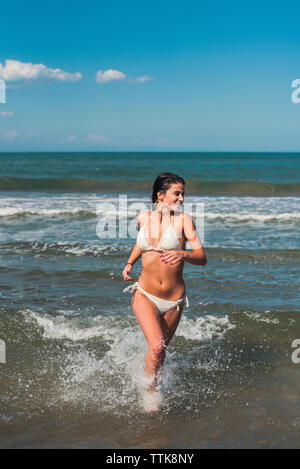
158 295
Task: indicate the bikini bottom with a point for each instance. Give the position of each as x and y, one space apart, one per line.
162 305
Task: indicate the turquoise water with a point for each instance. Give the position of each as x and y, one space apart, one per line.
207 173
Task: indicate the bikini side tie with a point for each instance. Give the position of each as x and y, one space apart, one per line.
131 288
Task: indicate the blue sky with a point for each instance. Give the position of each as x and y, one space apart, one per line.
147 76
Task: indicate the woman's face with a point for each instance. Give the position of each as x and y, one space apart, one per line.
173 197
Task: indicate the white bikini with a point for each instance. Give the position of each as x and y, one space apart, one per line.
168 242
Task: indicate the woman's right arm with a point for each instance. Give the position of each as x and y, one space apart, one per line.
134 256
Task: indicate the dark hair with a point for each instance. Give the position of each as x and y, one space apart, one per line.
163 182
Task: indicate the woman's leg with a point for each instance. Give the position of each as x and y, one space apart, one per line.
150 322
169 323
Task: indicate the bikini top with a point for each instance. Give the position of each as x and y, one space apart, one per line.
168 242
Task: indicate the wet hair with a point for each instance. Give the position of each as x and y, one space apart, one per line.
163 182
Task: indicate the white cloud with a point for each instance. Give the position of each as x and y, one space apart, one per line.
91 138
72 139
143 79
109 75
95 138
6 113
13 70
10 135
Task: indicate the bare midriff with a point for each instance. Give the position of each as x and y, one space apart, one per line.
162 280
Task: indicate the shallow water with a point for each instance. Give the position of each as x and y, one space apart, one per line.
74 376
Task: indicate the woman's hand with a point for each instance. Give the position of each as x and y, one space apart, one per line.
171 257
126 271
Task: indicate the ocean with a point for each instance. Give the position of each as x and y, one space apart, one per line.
72 372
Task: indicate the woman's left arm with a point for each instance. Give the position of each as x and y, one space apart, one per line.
197 256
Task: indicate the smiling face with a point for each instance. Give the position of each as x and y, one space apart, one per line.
173 197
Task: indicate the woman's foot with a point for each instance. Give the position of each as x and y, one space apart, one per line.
152 401
152 396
